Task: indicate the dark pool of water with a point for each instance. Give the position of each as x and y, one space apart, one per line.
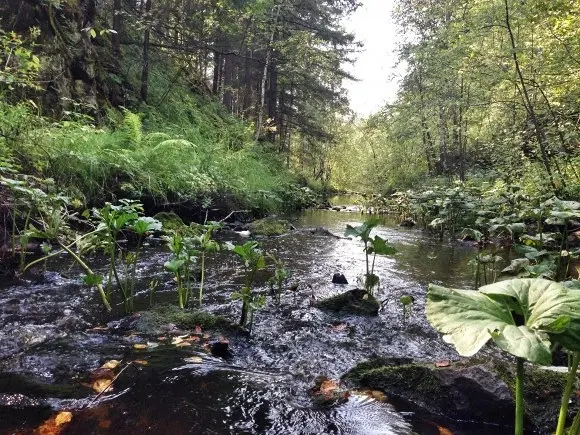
48 345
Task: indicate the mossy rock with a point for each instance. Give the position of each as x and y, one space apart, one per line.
353 302
269 227
468 390
170 221
158 319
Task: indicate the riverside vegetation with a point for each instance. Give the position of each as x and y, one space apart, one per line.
237 110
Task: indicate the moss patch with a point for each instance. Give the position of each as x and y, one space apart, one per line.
542 394
170 221
353 302
269 227
157 319
469 390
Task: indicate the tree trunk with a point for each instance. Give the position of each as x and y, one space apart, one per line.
538 128
145 70
118 29
260 120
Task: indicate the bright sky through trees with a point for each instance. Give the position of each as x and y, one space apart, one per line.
375 64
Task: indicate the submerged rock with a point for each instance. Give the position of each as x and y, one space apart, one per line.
353 301
167 318
407 223
467 390
270 226
339 278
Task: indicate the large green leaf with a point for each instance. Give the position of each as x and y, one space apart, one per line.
522 316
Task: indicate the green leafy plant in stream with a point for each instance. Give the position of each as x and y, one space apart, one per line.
253 260
373 246
111 221
51 224
277 280
524 317
204 244
183 257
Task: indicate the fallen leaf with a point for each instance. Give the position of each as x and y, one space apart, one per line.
339 327
162 338
194 360
445 363
112 364
183 343
179 339
141 362
328 387
140 346
444 430
379 396
105 424
101 385
63 417
52 426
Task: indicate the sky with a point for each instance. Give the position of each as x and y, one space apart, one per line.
373 25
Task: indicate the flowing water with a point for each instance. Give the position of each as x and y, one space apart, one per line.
49 344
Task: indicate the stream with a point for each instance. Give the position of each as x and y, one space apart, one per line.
53 336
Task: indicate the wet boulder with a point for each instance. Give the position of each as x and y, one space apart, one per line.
339 278
467 390
170 221
270 226
407 223
352 302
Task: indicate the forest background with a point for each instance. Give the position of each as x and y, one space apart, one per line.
233 104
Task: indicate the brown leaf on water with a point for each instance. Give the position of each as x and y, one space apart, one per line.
100 385
339 327
444 430
54 425
328 387
379 396
140 346
141 362
445 363
112 364
63 417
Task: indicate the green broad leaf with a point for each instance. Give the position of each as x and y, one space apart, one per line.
146 224
516 266
92 279
174 265
468 319
379 246
364 230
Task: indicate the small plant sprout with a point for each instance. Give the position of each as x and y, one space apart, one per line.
278 279
183 256
253 260
524 317
407 304
204 244
372 246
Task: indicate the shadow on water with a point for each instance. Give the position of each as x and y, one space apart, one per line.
48 345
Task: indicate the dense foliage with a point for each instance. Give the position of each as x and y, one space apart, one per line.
491 91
